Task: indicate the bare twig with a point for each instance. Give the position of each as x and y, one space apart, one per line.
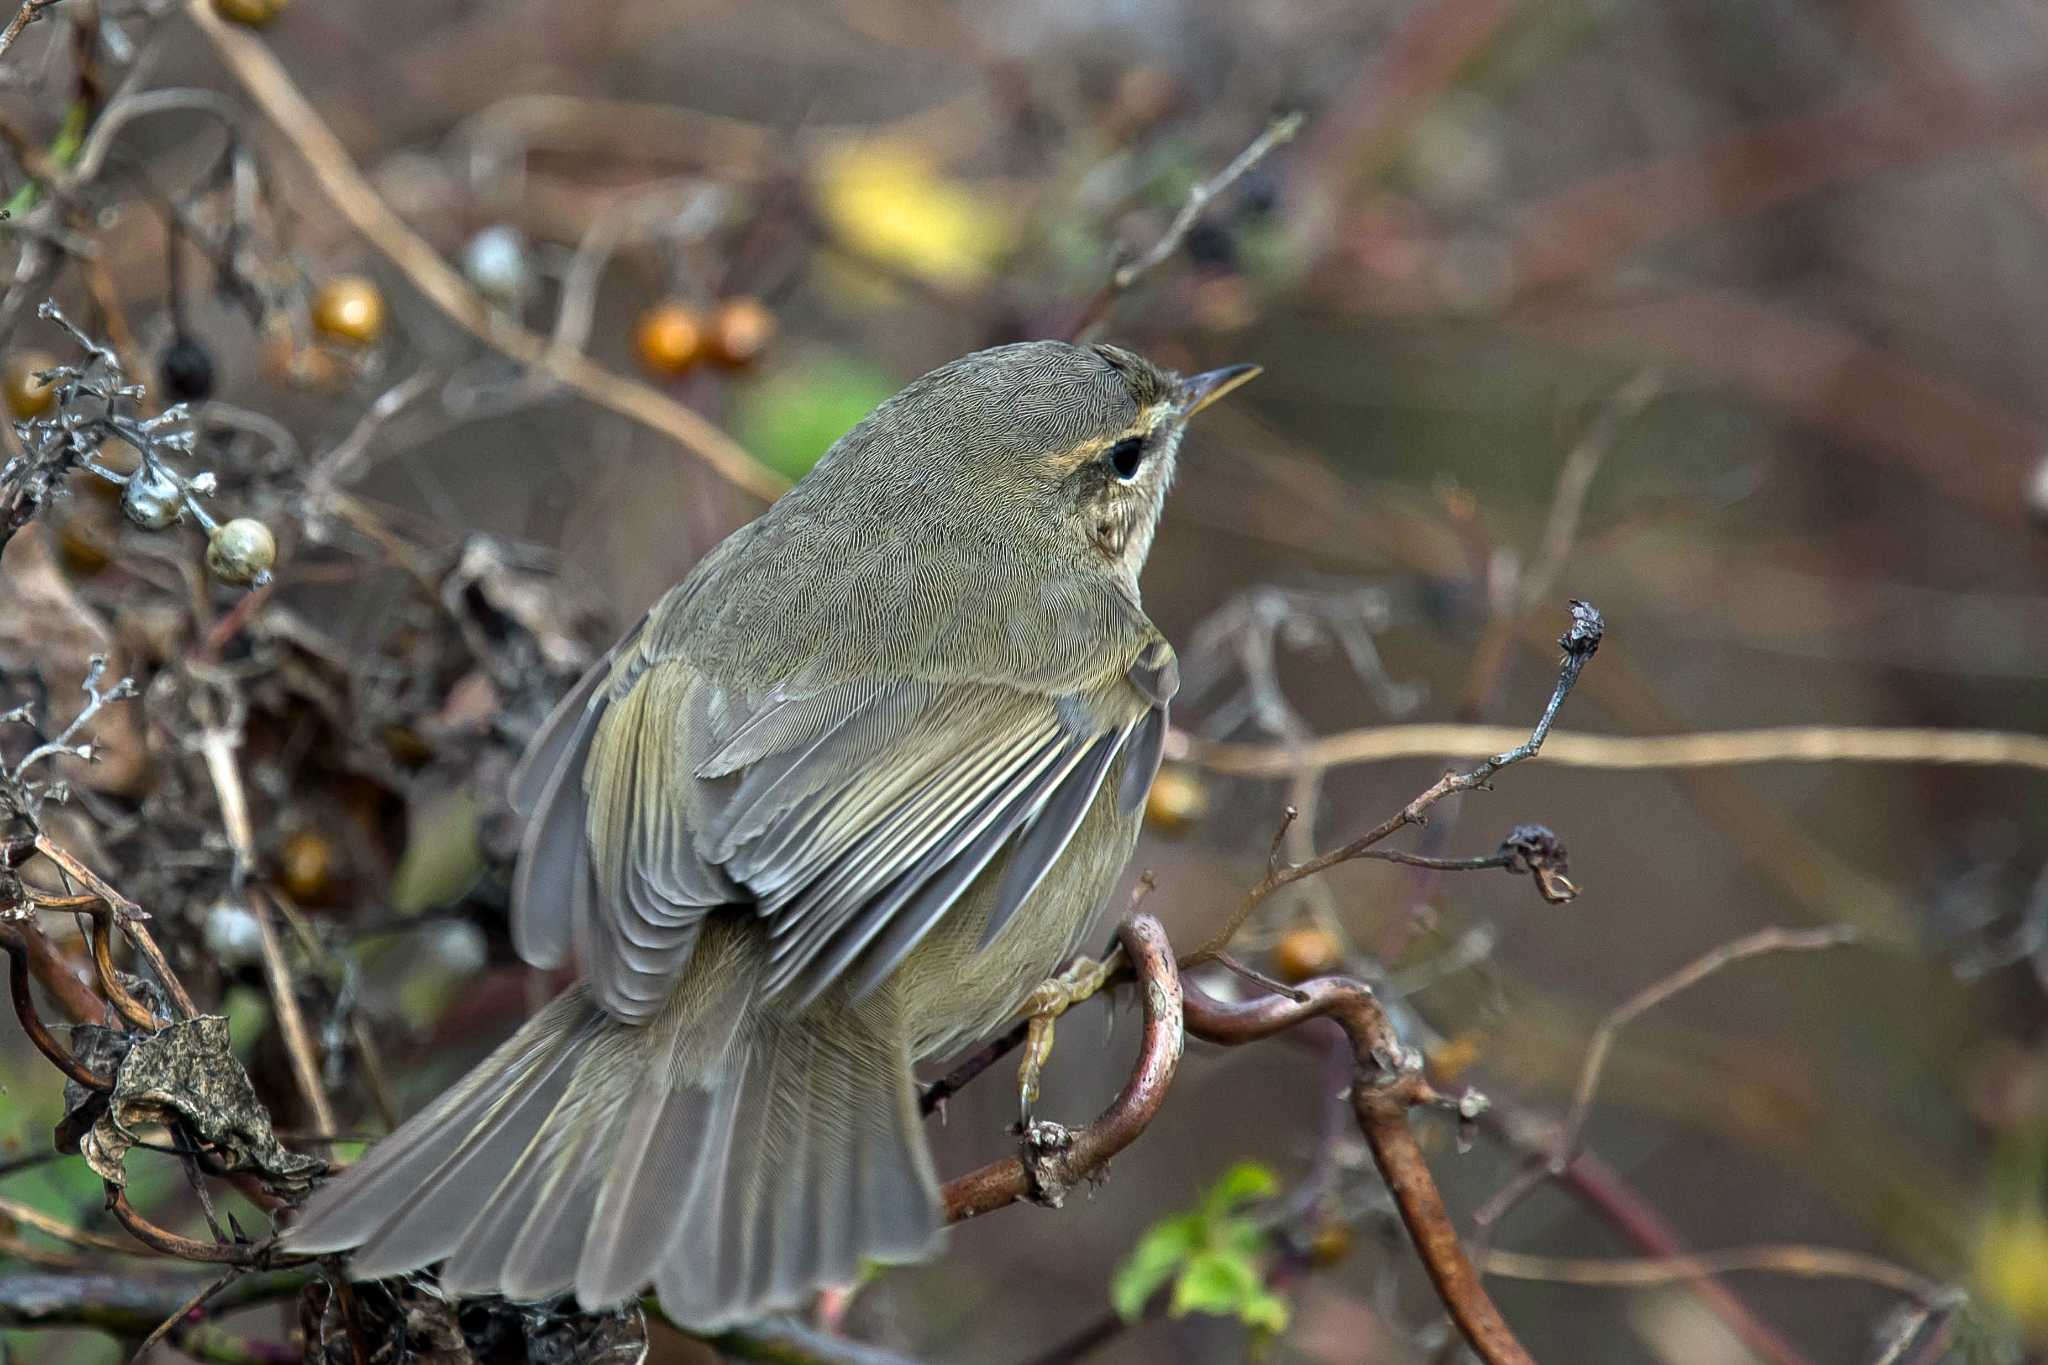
129 915
1280 131
291 1020
1773 940
1703 749
32 1023
29 1216
1579 642
180 1313
1807 1262
1575 481
30 11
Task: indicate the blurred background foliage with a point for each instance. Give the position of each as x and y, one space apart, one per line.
1750 290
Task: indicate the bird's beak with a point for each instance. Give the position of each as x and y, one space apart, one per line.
1199 391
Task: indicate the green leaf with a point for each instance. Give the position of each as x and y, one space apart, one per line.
1265 1310
1240 1236
1159 1253
442 858
790 417
1216 1282
1241 1184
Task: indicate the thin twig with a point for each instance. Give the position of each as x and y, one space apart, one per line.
1808 1262
1575 481
291 1020
31 1217
1279 131
1773 940
1579 642
179 1314
30 11
129 915
1701 749
1386 1083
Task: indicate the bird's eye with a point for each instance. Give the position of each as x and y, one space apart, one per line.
1125 457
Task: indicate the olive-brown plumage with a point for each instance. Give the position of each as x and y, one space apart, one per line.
836 805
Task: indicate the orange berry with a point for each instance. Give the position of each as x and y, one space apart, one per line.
349 308
1306 951
1330 1244
28 396
1177 800
251 12
670 338
305 864
740 330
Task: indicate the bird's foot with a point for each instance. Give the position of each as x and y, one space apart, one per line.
1053 997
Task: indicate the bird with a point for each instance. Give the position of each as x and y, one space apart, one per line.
841 802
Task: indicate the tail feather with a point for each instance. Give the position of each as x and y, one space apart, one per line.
432 1223
736 1162
350 1209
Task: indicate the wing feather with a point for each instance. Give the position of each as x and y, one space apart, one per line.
851 817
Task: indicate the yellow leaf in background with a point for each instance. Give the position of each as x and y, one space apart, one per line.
889 203
2012 1267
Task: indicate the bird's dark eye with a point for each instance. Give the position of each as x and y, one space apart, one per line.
1125 457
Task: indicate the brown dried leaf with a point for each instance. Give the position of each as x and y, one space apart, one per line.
185 1071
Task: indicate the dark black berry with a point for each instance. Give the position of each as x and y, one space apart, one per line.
187 371
1209 245
1258 192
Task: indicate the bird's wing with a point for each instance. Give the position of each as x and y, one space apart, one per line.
851 817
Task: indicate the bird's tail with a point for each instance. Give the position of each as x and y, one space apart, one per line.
734 1161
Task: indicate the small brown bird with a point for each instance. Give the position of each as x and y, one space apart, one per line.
843 799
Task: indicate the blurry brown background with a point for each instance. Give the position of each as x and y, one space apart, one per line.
1818 227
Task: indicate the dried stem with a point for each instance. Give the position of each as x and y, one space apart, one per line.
30 11
32 1023
129 916
1807 1262
1579 642
1774 940
1704 749
291 1020
1279 131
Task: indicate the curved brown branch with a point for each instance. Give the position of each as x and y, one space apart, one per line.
175 1244
1381 1107
31 1022
1060 1160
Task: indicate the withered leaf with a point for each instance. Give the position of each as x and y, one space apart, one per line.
186 1072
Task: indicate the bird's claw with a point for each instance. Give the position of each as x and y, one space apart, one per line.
1053 997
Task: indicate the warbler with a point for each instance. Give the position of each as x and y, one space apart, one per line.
837 804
